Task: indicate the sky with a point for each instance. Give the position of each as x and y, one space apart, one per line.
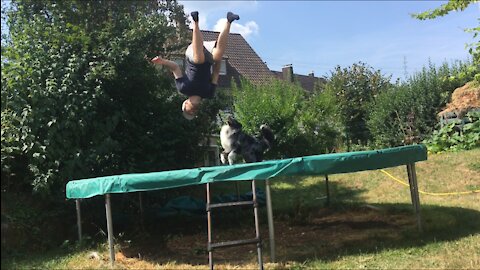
317 36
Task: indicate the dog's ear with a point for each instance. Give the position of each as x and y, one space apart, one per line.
234 123
237 124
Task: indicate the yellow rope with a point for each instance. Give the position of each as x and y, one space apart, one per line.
431 193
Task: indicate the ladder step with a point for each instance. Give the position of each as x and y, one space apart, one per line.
218 205
234 243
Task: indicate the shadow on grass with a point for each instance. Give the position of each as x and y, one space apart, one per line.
360 229
307 229
327 234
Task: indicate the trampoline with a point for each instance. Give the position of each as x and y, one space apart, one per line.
326 164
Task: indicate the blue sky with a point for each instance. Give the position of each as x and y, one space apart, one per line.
319 35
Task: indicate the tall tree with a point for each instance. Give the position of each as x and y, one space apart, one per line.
275 103
458 5
451 5
78 98
303 123
354 89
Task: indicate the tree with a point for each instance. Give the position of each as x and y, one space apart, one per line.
458 5
354 89
304 123
452 5
406 113
275 103
79 100
320 119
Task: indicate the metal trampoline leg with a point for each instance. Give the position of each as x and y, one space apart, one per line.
327 190
209 229
79 220
257 226
271 230
108 210
412 181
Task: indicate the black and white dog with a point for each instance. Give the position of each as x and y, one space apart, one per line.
236 142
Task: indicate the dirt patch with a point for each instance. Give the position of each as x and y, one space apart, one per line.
464 99
322 235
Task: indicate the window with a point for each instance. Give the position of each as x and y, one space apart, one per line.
223 67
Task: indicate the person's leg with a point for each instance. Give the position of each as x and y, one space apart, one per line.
172 66
197 41
222 40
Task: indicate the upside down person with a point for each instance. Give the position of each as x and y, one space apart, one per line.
202 68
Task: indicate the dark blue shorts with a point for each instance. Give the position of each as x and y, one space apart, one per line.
186 87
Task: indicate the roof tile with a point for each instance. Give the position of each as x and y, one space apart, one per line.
242 57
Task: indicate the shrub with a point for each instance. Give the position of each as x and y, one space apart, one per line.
304 123
354 88
454 137
407 112
275 103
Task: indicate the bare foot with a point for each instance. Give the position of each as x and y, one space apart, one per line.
158 60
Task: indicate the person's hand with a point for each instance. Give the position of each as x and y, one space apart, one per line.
157 60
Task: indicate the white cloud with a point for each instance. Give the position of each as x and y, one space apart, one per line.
245 30
218 9
205 7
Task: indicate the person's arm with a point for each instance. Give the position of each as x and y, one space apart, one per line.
174 68
216 72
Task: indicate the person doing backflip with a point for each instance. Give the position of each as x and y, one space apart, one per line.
202 67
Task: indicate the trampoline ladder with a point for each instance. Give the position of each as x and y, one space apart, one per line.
257 240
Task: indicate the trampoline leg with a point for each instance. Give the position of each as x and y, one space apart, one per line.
79 220
412 181
271 230
108 210
209 229
257 226
327 190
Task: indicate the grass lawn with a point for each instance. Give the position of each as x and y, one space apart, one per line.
368 224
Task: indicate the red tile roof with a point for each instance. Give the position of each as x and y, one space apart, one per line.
307 82
242 57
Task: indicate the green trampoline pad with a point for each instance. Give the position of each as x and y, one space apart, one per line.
326 164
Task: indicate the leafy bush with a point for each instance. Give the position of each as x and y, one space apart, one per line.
275 103
395 117
320 119
453 138
303 124
407 112
354 89
79 100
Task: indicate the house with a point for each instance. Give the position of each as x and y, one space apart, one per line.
307 82
242 60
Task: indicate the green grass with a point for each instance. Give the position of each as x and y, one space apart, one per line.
369 224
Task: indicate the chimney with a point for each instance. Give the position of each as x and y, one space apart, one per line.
287 72
311 74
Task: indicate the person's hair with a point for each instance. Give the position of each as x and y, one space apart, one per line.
187 115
